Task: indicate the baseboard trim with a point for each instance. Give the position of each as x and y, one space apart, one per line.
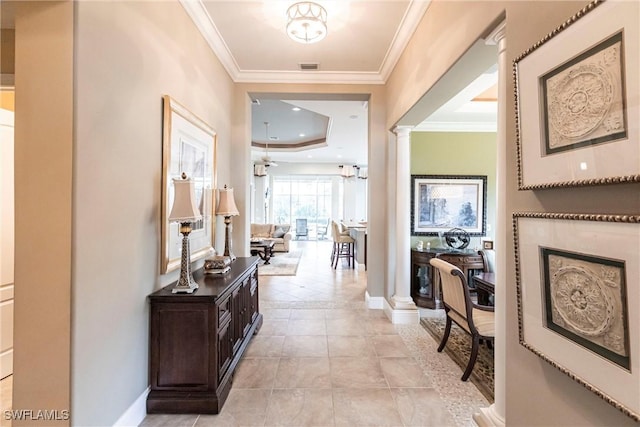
402 317
375 303
134 415
6 363
487 417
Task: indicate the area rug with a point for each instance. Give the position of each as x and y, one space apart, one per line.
459 349
281 264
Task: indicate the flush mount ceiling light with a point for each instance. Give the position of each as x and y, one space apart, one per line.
306 22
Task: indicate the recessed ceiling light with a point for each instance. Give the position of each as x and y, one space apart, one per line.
301 135
296 108
309 156
339 156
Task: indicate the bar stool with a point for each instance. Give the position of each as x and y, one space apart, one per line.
343 246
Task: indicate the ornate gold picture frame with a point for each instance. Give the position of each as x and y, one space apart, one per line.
578 299
576 101
188 145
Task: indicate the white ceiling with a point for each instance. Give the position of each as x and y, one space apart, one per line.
346 137
364 41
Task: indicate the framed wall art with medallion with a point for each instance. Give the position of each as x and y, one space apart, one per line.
189 146
577 101
579 301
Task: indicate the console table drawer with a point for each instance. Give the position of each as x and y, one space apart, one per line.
224 311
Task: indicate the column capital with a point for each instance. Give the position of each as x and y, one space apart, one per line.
497 35
402 130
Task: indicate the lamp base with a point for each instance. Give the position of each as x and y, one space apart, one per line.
186 288
185 284
227 240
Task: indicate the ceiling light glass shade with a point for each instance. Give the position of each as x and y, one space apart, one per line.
306 22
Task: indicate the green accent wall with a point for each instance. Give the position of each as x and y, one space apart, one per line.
457 153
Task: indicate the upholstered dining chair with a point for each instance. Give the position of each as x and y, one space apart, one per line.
476 320
488 259
343 246
322 229
301 228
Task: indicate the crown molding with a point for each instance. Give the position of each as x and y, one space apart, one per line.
460 126
309 77
408 26
203 21
200 16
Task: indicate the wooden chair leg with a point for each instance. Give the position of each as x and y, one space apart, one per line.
472 359
352 255
445 337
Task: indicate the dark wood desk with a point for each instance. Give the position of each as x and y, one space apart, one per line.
485 286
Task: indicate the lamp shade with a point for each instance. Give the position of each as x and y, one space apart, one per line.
347 171
259 170
184 207
227 205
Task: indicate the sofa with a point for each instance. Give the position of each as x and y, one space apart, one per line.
278 233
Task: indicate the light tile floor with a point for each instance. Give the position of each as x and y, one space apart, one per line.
322 358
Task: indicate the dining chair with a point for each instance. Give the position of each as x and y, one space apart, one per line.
301 228
476 320
322 230
488 259
343 246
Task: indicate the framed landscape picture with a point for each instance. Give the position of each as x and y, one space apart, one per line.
578 299
577 104
189 146
442 202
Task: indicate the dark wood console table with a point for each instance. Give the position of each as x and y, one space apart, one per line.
425 283
196 340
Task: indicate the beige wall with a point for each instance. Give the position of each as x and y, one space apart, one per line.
446 31
564 402
43 207
128 54
536 393
88 210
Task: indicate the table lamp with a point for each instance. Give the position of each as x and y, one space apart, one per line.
227 208
185 211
